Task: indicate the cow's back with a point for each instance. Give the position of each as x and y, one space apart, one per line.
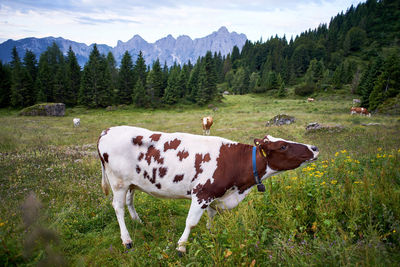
162 164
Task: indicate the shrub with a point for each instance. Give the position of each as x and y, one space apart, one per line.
304 90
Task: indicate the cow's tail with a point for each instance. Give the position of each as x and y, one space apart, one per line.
105 184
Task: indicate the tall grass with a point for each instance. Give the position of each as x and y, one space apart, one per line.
341 210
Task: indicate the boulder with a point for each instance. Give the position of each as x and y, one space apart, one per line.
44 109
281 119
315 127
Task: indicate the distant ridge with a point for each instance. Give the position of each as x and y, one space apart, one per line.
167 49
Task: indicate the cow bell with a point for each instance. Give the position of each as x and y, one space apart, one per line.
261 188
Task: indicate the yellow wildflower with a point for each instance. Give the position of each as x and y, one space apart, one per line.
358 182
356 161
390 156
394 231
294 178
324 166
2 224
378 156
334 182
379 149
343 151
288 187
323 183
336 154
384 156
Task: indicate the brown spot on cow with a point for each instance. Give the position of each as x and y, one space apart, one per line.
154 153
137 140
204 206
188 193
162 171
183 154
228 175
138 169
178 178
141 155
197 163
172 144
152 178
158 186
155 137
105 156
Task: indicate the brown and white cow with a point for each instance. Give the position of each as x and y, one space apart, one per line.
213 172
360 110
206 122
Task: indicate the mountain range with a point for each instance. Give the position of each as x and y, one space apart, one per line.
167 49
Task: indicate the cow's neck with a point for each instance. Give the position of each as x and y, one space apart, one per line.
247 177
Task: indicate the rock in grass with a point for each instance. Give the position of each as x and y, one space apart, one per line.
316 127
44 109
281 119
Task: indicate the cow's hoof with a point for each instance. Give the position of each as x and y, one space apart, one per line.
128 246
180 254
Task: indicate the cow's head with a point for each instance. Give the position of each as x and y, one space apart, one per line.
284 155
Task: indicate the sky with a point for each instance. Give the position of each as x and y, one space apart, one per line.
107 21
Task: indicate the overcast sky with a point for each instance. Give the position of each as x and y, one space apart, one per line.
107 21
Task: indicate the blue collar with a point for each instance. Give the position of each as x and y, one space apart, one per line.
260 186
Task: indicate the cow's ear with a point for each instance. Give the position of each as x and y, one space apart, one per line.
257 142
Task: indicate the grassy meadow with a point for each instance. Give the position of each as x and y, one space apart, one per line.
342 210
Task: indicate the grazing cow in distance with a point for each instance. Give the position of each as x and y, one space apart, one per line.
360 110
310 99
207 122
213 172
77 122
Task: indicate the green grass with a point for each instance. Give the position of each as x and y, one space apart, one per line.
342 210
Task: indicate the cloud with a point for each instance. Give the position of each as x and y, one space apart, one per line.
106 21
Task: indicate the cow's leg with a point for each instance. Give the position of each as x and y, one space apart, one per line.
192 219
129 202
119 205
211 213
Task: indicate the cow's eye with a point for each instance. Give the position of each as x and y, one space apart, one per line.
283 147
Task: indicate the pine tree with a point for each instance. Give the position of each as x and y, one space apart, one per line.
387 84
112 69
73 77
171 95
207 83
282 90
155 84
125 79
30 73
95 88
139 97
140 68
5 85
17 84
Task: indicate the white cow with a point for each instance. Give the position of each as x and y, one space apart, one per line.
77 122
215 173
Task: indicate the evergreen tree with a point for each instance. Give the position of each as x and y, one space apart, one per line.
139 69
112 69
207 86
95 88
18 89
29 73
172 92
235 57
193 83
183 80
387 84
73 78
140 98
282 90
155 84
367 81
5 85
125 79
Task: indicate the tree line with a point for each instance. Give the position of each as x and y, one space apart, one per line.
358 51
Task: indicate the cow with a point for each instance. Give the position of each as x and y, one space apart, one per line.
207 122
213 172
359 110
76 122
310 99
